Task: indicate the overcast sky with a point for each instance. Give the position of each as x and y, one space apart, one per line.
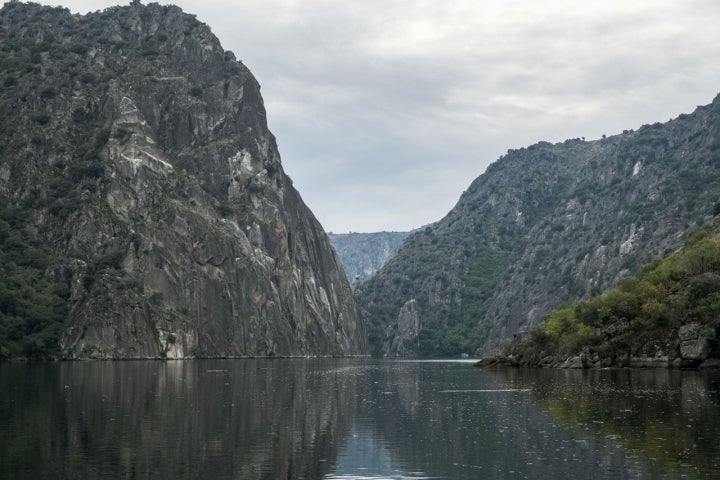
385 111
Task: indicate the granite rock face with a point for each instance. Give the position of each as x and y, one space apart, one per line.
362 254
140 152
402 337
694 346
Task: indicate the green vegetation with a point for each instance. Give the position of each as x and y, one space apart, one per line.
92 352
462 334
232 211
171 315
33 308
41 118
33 293
450 328
681 288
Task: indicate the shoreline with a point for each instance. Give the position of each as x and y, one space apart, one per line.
583 362
163 359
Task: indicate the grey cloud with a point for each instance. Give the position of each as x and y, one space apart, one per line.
386 111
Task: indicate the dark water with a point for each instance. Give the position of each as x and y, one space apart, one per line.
345 419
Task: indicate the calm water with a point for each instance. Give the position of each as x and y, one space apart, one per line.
352 419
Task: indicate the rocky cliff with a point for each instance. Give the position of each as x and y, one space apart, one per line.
545 225
362 254
668 315
135 152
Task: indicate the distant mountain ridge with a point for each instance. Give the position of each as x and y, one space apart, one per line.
362 254
544 225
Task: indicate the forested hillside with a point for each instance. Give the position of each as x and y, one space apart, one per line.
544 225
667 314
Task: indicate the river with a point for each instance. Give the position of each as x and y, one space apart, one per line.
354 419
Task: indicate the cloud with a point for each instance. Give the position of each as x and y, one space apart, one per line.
385 112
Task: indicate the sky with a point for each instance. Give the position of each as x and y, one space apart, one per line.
386 110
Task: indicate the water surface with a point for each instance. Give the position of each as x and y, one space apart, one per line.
352 419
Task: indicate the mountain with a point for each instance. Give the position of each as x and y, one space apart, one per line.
362 254
544 225
667 315
145 211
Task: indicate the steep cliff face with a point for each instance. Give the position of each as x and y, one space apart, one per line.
139 150
362 254
545 225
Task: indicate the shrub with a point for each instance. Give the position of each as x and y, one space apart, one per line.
79 49
47 93
41 118
88 77
33 308
684 286
224 210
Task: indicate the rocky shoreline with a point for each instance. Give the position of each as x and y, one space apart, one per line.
690 350
584 361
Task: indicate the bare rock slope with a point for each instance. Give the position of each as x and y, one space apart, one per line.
139 152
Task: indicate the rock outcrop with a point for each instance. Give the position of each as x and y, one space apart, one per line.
402 337
139 152
689 346
694 346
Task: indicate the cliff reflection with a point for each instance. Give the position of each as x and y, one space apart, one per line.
198 419
297 419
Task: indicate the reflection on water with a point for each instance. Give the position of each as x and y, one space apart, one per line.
200 419
669 417
312 419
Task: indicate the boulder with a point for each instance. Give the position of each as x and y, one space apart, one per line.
574 363
694 347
